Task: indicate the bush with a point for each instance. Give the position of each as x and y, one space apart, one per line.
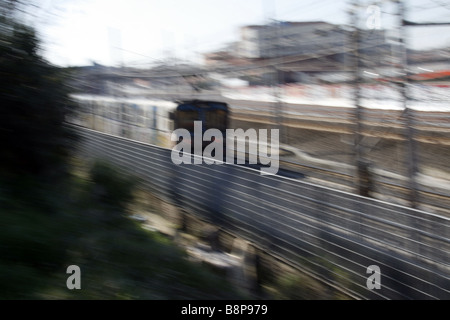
110 187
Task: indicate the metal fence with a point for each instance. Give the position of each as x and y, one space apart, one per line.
334 235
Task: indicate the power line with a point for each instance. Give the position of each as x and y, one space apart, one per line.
316 4
270 63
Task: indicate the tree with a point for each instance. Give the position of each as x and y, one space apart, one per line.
33 105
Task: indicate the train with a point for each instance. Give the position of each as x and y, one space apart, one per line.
155 122
147 120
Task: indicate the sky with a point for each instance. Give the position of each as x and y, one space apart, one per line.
139 32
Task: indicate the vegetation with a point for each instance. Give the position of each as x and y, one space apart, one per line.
83 226
51 219
33 105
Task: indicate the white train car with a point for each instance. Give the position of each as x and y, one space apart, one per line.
149 121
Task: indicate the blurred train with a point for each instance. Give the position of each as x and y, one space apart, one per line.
153 122
149 121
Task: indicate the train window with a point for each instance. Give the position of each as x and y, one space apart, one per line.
139 112
126 114
144 118
186 118
216 119
151 117
115 112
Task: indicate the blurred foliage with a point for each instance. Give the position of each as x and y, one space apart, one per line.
33 105
51 218
300 287
80 226
111 188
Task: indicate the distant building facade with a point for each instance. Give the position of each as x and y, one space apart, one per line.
290 38
305 52
304 38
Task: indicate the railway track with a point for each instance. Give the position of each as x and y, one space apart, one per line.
393 191
301 221
430 128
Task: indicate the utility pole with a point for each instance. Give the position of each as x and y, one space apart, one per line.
272 53
408 112
278 81
362 183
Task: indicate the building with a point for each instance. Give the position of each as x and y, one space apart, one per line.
291 38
